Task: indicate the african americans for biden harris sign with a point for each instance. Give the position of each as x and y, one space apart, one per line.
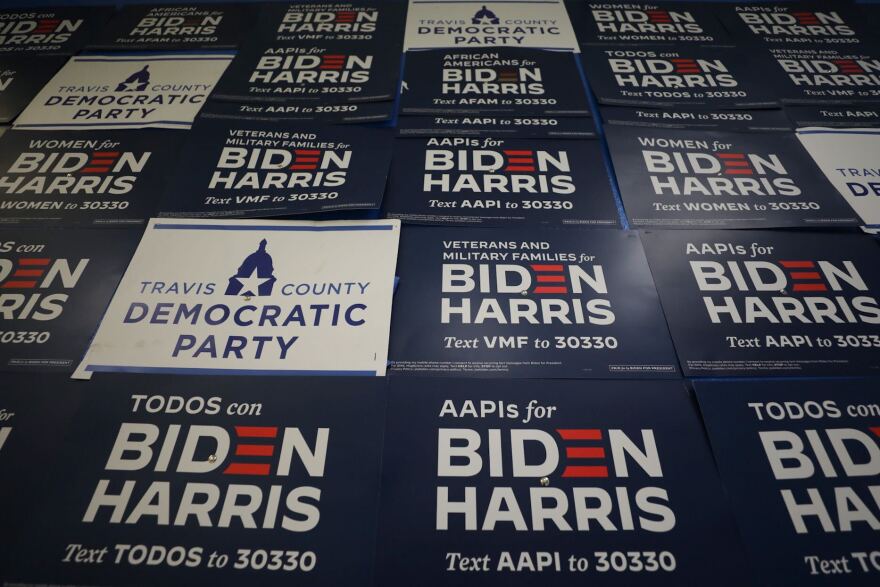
245 296
772 303
195 481
566 484
564 302
119 90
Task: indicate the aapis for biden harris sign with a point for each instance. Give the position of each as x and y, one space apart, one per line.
248 296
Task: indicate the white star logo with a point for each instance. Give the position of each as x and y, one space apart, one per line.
251 285
484 20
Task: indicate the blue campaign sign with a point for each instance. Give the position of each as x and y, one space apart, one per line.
34 420
493 180
561 302
176 27
502 80
565 484
359 112
209 481
54 286
21 77
244 168
62 31
496 126
635 23
699 118
830 116
361 22
797 24
658 76
800 461
824 75
750 303
84 177
699 178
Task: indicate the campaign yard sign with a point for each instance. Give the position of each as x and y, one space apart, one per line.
658 76
21 77
600 23
38 30
503 80
800 461
496 181
54 287
356 23
207 481
856 116
825 75
710 179
792 24
252 297
562 303
96 178
175 28
750 303
441 24
573 483
258 169
126 90
850 159
700 118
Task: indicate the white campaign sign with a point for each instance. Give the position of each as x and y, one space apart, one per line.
126 90
537 24
252 297
850 158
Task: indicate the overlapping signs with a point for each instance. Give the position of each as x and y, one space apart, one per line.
600 483
252 297
560 303
86 177
641 22
487 180
122 90
693 178
796 24
687 75
748 303
50 30
335 53
800 461
54 287
701 118
21 77
536 24
502 80
204 481
257 169
825 75
842 116
850 159
169 28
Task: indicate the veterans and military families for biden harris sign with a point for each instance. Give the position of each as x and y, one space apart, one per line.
442 292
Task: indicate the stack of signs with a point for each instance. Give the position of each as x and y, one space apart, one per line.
743 303
322 56
174 28
640 22
598 483
47 31
800 461
54 287
21 77
699 118
689 75
196 481
445 24
126 90
246 168
826 74
85 178
800 24
694 178
252 297
856 116
560 303
850 159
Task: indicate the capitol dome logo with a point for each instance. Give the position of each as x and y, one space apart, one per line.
255 276
485 16
136 82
